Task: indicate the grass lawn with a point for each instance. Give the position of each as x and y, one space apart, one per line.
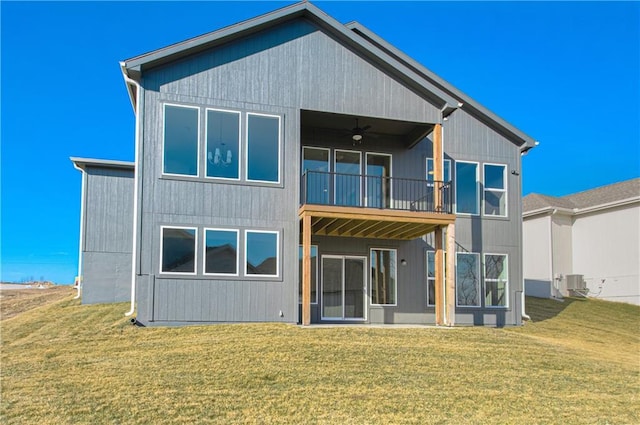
576 362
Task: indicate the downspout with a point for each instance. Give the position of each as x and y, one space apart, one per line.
80 245
134 250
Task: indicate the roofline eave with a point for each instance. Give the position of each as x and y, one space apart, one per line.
526 142
135 66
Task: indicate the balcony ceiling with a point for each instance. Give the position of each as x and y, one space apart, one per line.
339 126
372 223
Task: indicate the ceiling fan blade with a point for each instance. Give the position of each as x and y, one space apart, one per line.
366 127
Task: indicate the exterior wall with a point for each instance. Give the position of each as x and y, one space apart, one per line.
106 248
561 246
606 251
280 71
466 138
537 263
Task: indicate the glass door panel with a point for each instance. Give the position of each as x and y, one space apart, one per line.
347 180
354 288
378 180
316 163
332 277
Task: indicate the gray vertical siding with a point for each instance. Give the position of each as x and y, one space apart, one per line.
283 70
108 222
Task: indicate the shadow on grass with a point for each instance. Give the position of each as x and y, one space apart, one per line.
541 309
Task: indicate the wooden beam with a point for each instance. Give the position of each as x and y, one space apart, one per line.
439 277
334 228
322 224
396 230
329 211
306 270
438 166
450 287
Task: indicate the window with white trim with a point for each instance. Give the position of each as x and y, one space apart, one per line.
263 148
262 253
314 274
446 172
178 250
467 194
495 190
496 280
180 141
384 276
431 278
221 252
223 144
468 279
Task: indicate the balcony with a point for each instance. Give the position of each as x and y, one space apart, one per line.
352 205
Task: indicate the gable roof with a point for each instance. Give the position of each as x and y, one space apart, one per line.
353 35
610 195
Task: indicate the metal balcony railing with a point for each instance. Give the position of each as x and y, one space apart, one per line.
364 191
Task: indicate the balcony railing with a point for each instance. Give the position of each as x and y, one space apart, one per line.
354 190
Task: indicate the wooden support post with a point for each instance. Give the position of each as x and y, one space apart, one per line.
439 275
438 167
306 270
450 287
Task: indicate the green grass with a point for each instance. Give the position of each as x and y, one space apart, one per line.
577 362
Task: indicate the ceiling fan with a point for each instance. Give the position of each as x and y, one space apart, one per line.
357 132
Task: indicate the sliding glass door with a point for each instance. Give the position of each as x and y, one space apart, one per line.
343 287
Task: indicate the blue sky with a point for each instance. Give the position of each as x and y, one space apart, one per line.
565 73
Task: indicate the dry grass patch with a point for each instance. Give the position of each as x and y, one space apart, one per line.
68 363
16 301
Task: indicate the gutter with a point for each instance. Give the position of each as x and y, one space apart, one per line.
81 243
134 102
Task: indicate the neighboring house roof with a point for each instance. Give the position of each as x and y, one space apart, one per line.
102 163
354 35
611 195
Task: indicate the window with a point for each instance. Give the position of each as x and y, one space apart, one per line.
495 190
180 147
495 280
314 274
263 148
467 188
315 162
446 171
383 276
467 279
261 251
431 278
178 250
223 144
221 252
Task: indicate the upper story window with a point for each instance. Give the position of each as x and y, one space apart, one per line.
241 146
180 150
467 194
223 144
495 190
263 148
446 171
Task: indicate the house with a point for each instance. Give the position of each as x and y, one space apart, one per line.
290 168
106 229
591 237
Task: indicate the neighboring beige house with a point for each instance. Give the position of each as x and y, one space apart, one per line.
591 237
